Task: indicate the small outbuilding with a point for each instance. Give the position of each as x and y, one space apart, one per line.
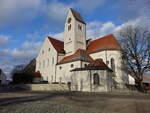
99 74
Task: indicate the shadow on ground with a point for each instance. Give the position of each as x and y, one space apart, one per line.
73 96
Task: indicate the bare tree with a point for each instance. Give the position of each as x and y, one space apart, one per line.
135 43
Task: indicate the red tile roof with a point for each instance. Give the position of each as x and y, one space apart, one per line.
80 54
98 64
57 44
107 42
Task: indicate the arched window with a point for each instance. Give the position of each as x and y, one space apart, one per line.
79 27
52 60
85 65
42 51
69 27
96 78
72 65
113 65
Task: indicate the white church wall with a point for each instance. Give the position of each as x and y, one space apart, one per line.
116 55
81 81
63 71
46 61
60 57
131 80
85 81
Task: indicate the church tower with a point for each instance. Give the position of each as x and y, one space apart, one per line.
74 32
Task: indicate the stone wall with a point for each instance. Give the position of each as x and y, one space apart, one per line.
45 87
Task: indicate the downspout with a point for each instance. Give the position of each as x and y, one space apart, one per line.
106 56
90 82
55 66
107 73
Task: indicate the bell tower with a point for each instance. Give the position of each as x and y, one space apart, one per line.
74 32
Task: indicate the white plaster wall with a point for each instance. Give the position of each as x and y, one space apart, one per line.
121 76
131 80
45 87
84 81
48 71
60 57
63 74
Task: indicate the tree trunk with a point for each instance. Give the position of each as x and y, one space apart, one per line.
140 86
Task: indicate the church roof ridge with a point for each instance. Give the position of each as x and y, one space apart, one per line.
54 38
80 54
98 64
107 42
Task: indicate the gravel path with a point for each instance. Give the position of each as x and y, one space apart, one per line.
29 102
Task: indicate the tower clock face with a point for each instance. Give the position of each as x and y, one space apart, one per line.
69 20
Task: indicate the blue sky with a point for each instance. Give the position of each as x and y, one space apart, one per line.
25 23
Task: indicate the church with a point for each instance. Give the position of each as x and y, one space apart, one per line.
84 65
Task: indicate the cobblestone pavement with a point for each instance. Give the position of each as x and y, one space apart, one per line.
56 102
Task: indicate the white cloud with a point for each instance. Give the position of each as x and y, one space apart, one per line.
27 50
30 45
4 40
97 29
94 30
22 12
55 12
4 52
107 28
16 11
59 36
141 21
21 55
33 36
132 9
19 12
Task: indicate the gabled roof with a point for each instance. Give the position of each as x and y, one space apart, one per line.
107 42
80 55
77 16
57 44
97 64
30 68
